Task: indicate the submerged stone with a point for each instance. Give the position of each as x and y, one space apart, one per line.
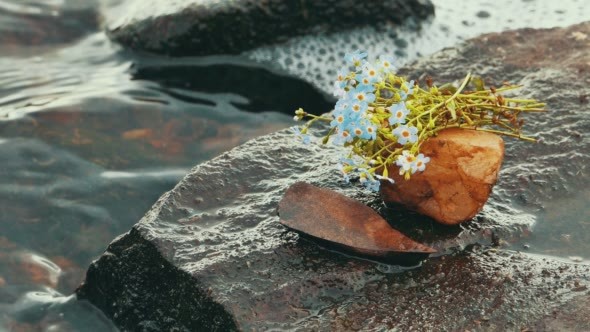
458 180
197 27
346 223
211 253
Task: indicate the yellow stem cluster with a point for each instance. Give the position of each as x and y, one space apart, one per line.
431 110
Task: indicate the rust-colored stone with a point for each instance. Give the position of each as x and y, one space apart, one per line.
331 217
463 168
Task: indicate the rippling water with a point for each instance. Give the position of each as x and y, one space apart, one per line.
91 134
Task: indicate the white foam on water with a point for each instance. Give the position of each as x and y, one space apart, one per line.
317 58
172 173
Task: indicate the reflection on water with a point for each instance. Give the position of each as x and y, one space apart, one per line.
91 136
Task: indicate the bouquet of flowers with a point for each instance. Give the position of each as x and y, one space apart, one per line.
384 119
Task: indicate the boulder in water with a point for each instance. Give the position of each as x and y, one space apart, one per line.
206 27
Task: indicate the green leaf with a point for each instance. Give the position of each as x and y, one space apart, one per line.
451 107
448 87
478 83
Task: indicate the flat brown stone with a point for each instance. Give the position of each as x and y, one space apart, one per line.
342 221
463 168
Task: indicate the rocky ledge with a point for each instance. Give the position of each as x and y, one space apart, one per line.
211 254
198 27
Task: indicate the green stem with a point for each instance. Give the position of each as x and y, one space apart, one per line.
499 132
383 149
519 101
444 102
463 85
316 117
525 109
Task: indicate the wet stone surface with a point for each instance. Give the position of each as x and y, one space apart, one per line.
217 233
191 27
573 316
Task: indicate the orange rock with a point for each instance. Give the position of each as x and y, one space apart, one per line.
458 180
346 223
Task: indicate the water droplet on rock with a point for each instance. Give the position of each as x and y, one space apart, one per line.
483 14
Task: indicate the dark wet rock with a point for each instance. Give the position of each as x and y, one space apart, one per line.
173 301
213 243
191 27
463 168
343 222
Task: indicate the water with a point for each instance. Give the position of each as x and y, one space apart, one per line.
91 134
455 21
